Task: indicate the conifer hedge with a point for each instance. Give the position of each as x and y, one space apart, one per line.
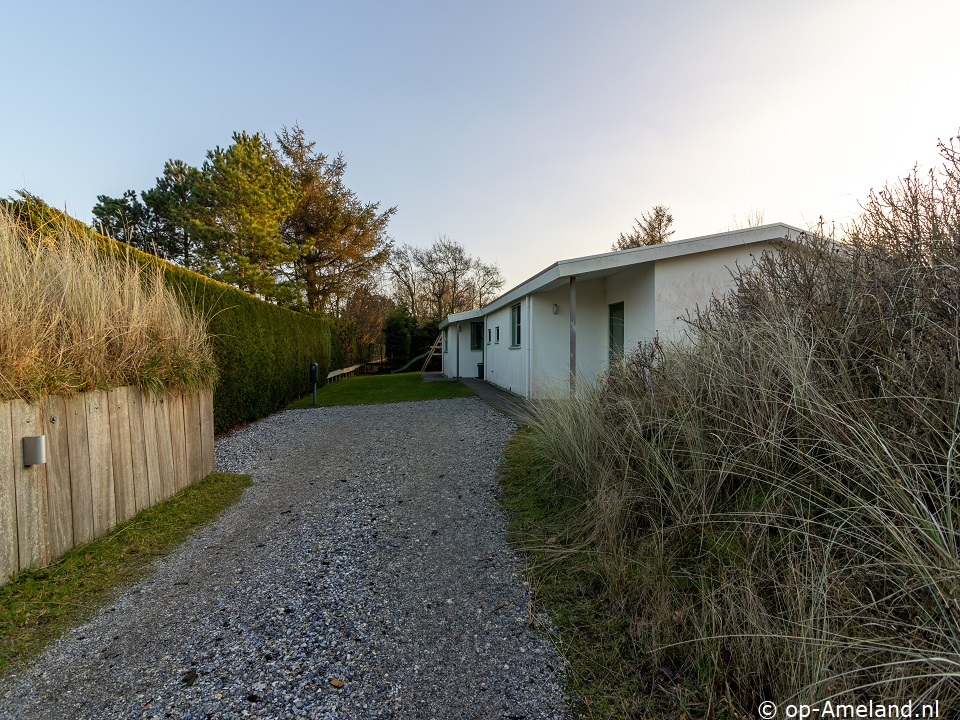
262 352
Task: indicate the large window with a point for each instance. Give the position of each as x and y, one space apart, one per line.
616 333
515 325
476 335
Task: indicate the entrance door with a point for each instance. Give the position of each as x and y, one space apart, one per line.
616 333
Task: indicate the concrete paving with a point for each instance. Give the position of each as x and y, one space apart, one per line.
513 406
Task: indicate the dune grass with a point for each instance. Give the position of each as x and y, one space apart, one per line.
372 389
37 606
74 317
770 511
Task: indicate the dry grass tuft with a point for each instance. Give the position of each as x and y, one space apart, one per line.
74 317
774 507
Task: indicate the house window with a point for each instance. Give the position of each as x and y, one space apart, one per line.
515 325
446 339
496 334
489 335
476 335
616 333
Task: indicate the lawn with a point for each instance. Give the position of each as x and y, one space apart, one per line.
37 606
372 389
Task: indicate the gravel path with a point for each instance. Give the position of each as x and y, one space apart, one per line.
365 574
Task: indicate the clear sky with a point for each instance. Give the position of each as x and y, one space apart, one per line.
529 131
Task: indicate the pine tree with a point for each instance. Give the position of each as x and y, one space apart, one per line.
242 195
171 203
337 243
125 219
652 230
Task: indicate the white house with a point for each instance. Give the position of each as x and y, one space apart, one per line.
569 320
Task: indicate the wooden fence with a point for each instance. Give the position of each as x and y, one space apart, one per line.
110 453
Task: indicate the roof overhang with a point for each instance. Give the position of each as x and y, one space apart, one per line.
461 316
610 263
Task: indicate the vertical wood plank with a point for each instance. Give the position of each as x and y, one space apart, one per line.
177 441
31 485
191 428
81 490
206 431
165 449
101 462
59 495
9 550
138 450
151 446
119 406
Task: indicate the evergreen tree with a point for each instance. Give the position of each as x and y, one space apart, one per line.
337 242
652 230
241 197
126 219
171 203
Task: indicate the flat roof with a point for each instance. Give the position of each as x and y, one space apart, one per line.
608 263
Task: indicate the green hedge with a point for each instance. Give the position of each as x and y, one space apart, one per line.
263 352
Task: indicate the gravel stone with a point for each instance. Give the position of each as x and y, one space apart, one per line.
365 574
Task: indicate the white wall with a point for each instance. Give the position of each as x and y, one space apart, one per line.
550 360
685 283
635 288
460 360
470 358
505 366
550 356
449 356
654 295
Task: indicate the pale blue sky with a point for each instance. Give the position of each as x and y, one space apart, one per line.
527 131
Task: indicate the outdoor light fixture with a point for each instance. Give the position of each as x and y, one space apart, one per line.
555 309
35 450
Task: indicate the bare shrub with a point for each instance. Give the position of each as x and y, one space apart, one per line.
775 505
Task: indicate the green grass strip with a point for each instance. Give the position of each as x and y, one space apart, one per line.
37 606
372 389
604 671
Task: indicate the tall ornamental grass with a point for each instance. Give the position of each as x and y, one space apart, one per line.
74 318
773 505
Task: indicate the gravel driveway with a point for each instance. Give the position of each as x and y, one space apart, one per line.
365 574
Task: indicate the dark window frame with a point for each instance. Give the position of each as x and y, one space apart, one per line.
515 325
616 334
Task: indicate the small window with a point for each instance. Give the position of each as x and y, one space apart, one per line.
476 335
489 335
515 325
616 333
446 339
496 334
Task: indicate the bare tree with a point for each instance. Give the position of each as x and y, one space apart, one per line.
407 281
487 281
752 218
653 229
368 308
445 265
441 279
